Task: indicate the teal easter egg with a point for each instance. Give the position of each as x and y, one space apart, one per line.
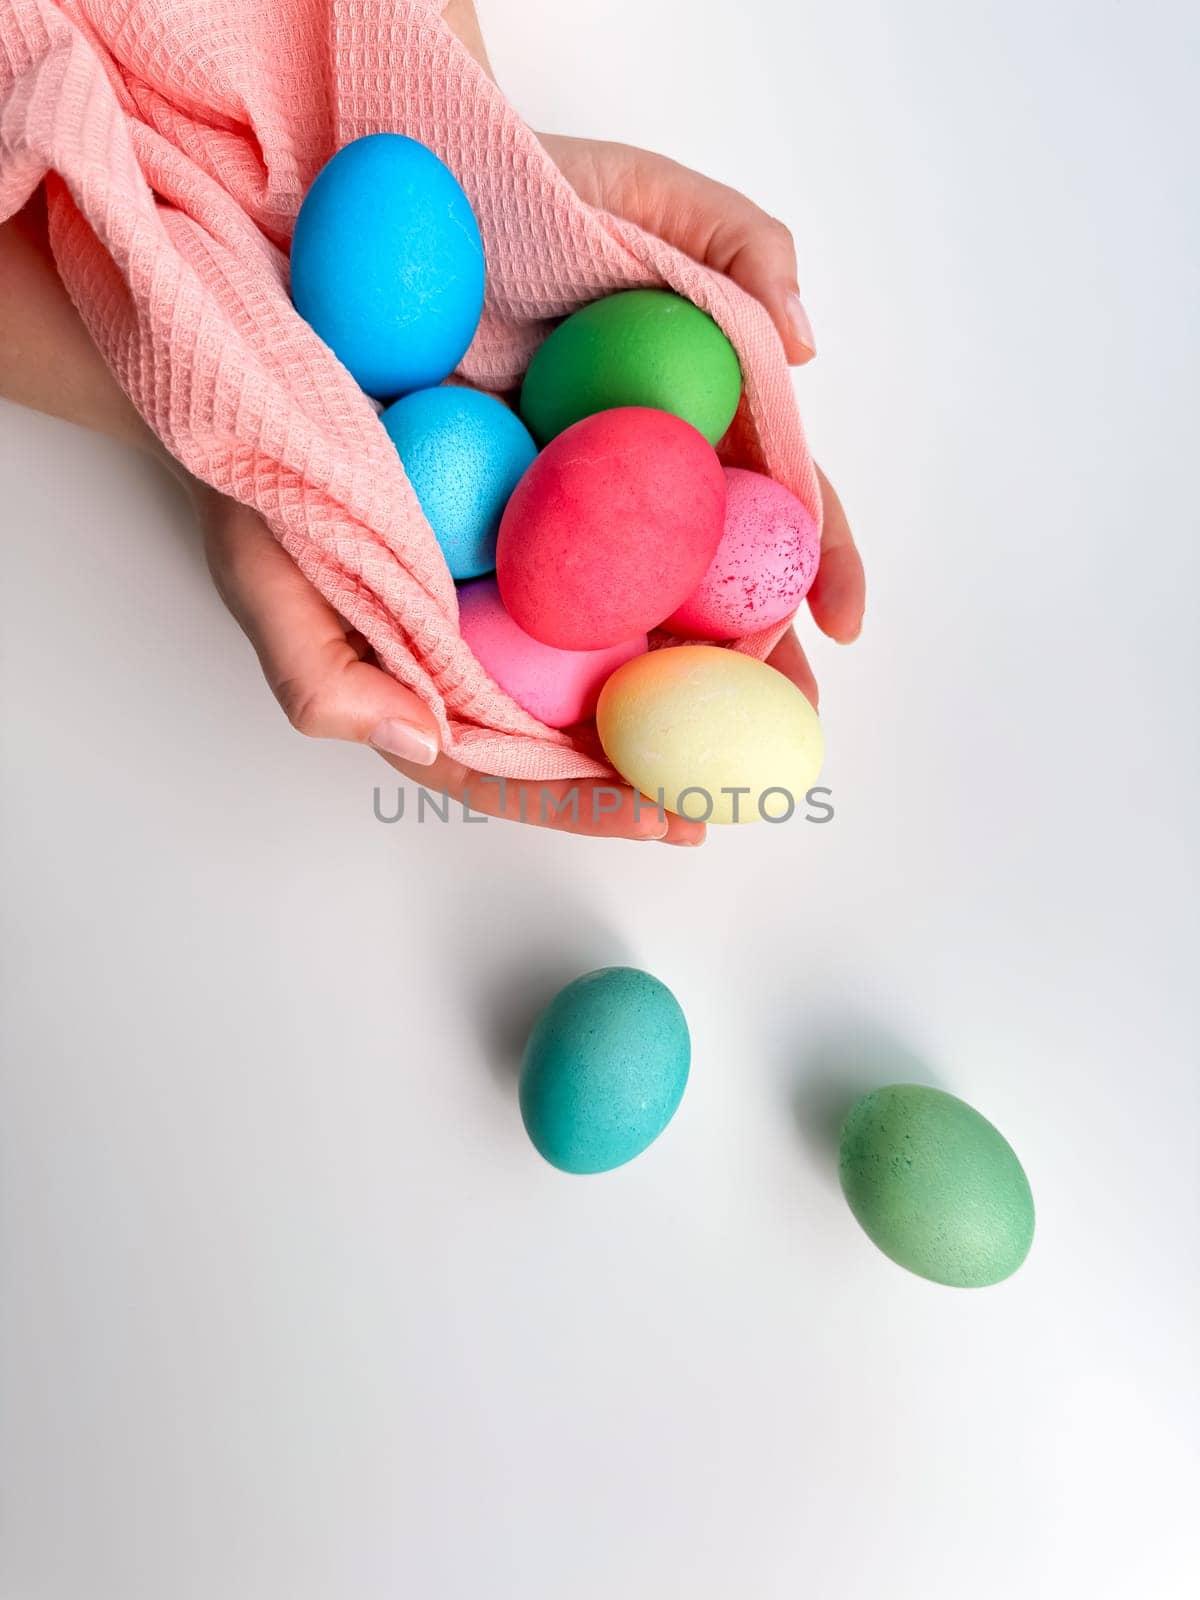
604 1069
936 1186
464 452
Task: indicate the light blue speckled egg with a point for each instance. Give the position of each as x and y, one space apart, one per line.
387 264
605 1067
463 452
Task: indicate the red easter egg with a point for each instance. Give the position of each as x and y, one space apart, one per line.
610 529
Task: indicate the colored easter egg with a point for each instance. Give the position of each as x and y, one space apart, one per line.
936 1186
464 453
387 264
643 347
611 529
558 687
764 565
604 1069
719 736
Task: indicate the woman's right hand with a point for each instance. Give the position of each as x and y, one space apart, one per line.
321 673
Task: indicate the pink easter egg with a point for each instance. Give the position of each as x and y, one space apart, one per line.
764 565
558 687
610 529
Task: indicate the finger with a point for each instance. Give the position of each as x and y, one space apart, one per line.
723 229
682 831
788 657
838 595
585 806
314 669
757 251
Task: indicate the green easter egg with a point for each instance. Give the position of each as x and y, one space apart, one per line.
604 1069
643 347
936 1186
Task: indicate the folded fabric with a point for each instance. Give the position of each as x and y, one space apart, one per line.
176 139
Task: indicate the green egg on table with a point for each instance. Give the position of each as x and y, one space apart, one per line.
642 347
605 1067
936 1186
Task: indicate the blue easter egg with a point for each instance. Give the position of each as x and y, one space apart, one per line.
604 1069
387 264
463 452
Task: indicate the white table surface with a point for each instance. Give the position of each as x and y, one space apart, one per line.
289 1308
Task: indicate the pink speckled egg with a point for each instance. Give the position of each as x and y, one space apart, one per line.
610 529
558 687
764 565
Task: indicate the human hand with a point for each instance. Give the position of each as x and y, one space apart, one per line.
724 230
322 674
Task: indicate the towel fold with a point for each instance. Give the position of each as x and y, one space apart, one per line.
176 139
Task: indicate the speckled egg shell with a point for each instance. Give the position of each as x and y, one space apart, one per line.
936 1186
464 453
604 1069
387 264
559 687
610 529
642 347
697 723
764 565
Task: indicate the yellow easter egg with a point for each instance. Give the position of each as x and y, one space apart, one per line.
716 736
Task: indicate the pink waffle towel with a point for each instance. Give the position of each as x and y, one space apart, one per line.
177 138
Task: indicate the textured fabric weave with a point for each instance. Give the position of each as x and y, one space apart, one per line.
177 138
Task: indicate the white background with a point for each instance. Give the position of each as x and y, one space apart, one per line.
289 1308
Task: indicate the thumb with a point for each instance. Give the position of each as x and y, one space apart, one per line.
314 667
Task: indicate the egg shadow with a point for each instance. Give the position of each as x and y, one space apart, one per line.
845 1059
532 965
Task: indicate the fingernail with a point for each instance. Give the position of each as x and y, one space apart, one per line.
405 740
801 326
854 635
